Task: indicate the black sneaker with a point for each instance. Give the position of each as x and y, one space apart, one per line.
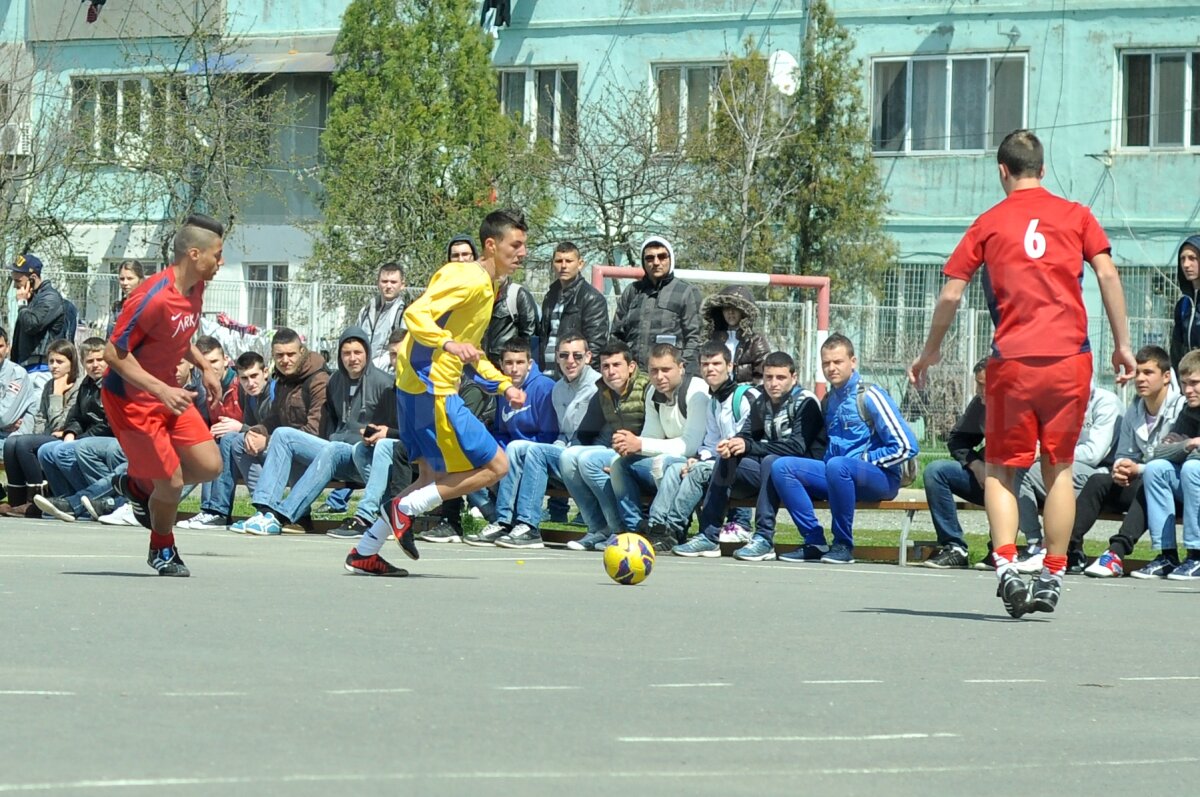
987 563
167 562
1045 594
1076 562
98 507
141 504
486 535
351 529
1013 592
522 536
373 565
442 532
951 556
663 543
59 508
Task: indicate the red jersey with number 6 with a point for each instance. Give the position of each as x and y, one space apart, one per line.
1032 246
156 325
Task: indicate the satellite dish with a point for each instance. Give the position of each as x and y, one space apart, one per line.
783 67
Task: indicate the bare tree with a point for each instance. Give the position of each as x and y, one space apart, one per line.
617 182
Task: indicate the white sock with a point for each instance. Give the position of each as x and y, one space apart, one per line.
421 501
374 538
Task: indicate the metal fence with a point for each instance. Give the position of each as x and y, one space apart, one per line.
887 334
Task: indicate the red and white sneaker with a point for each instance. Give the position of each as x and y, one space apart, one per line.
373 565
402 530
1109 565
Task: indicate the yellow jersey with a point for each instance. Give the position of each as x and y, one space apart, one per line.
457 306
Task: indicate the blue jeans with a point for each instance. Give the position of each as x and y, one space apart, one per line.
333 462
582 469
217 497
843 481
946 479
520 494
60 468
631 477
374 464
742 477
1164 482
678 496
289 453
339 499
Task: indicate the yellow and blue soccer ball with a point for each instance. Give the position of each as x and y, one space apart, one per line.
631 560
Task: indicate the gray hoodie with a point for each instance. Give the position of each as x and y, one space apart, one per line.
352 403
1137 443
18 399
570 400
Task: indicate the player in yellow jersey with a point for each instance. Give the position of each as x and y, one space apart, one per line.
454 451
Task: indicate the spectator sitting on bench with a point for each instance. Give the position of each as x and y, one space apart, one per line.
86 421
785 420
255 391
676 415
374 457
1093 454
533 424
19 398
960 476
869 441
618 406
353 398
21 466
1145 424
1173 475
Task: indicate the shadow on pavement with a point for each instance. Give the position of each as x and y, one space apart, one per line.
108 573
987 618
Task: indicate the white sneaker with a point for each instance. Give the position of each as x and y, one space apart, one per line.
1034 563
123 516
203 520
734 533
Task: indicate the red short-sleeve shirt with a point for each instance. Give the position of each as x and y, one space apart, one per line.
156 326
1033 246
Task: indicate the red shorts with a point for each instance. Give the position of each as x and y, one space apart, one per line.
1036 400
150 434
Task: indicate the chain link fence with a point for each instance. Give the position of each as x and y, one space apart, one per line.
888 334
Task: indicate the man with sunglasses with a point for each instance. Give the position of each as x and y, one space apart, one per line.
531 464
659 308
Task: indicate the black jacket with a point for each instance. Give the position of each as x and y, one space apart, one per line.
87 417
968 433
793 428
38 323
660 312
584 312
345 414
505 326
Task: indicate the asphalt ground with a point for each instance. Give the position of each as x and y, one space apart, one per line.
273 671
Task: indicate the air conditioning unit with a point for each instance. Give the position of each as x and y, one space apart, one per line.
14 139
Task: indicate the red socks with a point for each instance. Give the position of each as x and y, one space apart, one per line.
1055 565
1004 555
162 540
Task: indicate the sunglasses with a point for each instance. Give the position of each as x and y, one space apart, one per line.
662 257
570 355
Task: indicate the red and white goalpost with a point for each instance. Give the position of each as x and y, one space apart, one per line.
820 284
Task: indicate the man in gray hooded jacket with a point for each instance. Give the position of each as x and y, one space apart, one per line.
18 397
384 312
659 308
357 395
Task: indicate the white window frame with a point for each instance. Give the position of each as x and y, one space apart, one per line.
530 115
906 149
1191 60
682 116
271 285
125 143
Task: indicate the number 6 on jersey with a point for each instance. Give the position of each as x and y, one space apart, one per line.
1035 242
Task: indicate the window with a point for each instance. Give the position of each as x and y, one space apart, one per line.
686 99
267 288
967 102
1160 99
551 108
116 117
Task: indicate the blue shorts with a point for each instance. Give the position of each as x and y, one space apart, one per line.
443 432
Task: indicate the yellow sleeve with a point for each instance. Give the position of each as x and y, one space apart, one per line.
442 296
491 373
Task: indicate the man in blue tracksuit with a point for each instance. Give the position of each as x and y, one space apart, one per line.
869 441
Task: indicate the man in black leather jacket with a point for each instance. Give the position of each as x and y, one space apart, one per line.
571 307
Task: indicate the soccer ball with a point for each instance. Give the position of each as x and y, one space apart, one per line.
630 560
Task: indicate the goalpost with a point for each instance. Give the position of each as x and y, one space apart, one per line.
821 284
